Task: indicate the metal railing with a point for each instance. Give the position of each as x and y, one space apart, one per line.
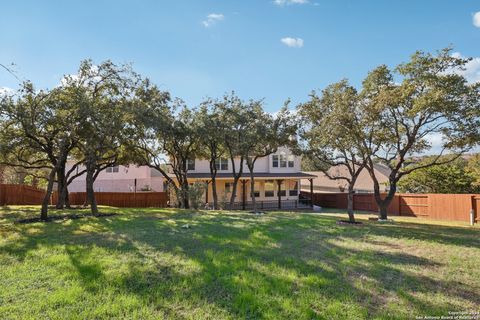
266 205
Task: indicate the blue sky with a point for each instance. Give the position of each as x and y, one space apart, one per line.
239 47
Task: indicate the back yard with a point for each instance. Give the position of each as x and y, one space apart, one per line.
143 264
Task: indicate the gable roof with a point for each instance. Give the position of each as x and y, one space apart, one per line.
364 182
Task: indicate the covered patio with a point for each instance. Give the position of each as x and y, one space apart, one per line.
273 191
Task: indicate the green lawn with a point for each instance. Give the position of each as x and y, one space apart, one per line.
142 264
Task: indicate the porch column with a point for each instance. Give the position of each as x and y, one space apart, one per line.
244 193
279 182
311 192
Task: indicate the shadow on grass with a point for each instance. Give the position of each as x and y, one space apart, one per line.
278 265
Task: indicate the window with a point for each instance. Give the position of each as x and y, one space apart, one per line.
221 164
283 160
269 188
275 161
228 187
291 160
113 169
293 188
191 164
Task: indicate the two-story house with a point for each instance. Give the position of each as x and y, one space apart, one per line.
277 181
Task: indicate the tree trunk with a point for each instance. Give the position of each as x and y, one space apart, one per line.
213 175
214 193
384 203
252 190
61 192
351 215
61 182
60 196
382 211
236 178
90 192
46 199
186 202
184 193
67 198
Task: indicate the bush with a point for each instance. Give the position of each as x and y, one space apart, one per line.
195 195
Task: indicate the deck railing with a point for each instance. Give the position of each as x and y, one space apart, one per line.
266 205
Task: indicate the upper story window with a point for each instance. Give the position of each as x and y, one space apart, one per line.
275 161
113 169
191 164
221 164
291 160
283 161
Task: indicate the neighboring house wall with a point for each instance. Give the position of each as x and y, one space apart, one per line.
120 179
364 183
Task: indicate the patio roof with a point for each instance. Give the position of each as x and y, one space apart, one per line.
246 175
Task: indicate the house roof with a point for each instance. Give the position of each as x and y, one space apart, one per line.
364 181
246 175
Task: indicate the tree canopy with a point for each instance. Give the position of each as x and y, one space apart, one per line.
458 176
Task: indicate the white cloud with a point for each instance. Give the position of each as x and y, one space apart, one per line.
292 42
212 19
472 68
4 91
476 19
288 2
91 75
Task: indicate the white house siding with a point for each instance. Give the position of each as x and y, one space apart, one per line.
261 165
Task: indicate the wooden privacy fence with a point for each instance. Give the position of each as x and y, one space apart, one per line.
121 199
433 206
26 195
17 194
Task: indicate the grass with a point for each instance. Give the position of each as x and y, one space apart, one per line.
142 264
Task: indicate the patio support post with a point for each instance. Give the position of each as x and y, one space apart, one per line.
244 191
311 192
279 182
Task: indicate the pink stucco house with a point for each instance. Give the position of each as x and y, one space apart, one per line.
121 179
